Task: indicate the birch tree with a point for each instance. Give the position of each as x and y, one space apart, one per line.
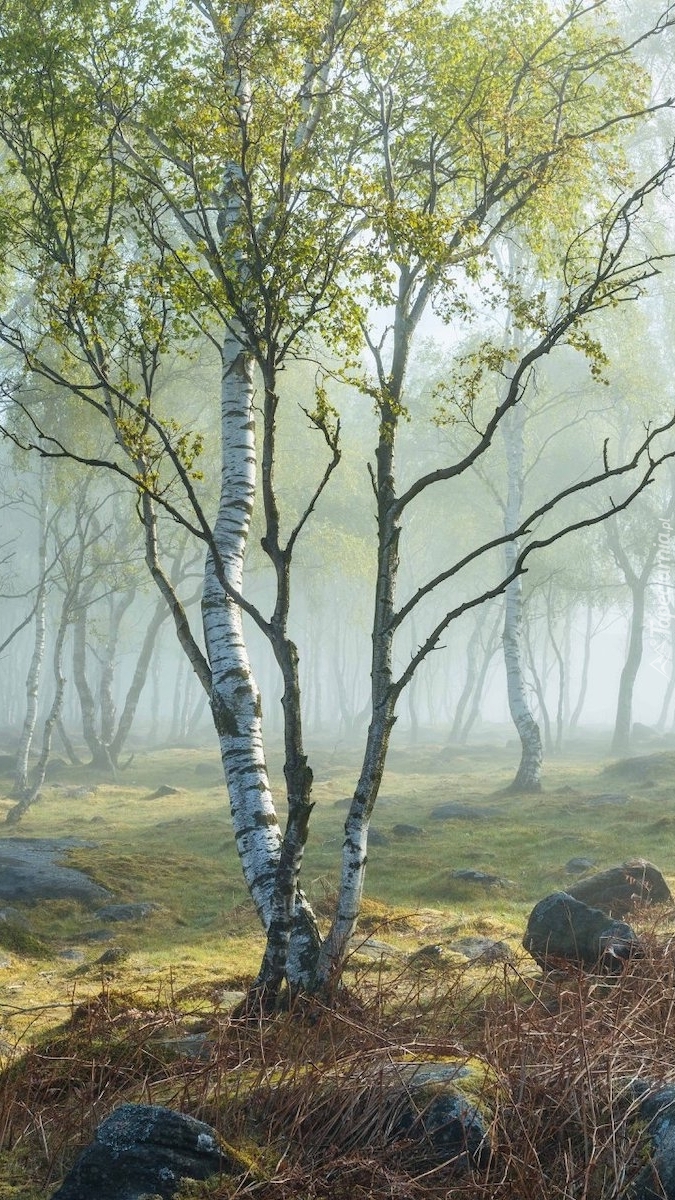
263 178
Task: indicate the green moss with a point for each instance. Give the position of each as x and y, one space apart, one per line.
22 941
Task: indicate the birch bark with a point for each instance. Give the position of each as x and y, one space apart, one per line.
37 657
528 776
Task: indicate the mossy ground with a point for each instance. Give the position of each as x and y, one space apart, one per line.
202 940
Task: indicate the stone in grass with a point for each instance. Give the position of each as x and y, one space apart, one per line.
376 837
401 830
452 810
482 949
470 875
579 864
618 889
140 1150
164 789
562 931
126 912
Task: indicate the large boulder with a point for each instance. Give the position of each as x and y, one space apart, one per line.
30 870
140 1150
618 889
562 930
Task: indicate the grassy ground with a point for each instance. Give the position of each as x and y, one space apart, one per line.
176 969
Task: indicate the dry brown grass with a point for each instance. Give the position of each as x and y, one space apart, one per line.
302 1094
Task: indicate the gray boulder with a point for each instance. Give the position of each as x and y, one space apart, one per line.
618 889
143 1149
656 1181
443 1111
30 870
562 930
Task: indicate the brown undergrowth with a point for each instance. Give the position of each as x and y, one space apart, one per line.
300 1096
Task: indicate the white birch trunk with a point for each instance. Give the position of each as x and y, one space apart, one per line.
235 698
528 777
37 657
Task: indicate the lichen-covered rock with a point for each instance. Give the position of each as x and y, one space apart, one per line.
620 888
446 1110
143 1149
657 1180
563 930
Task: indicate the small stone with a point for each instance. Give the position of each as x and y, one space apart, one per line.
115 954
481 949
377 838
575 866
469 875
164 789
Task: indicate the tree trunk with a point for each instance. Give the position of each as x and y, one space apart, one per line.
624 708
354 850
583 685
106 687
469 681
100 755
488 655
137 684
32 792
528 777
37 657
235 700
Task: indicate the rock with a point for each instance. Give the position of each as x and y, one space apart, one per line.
30 871
126 912
12 916
468 812
576 866
656 1181
377 838
71 955
469 875
644 733
373 948
443 1110
114 954
426 956
408 831
80 793
55 766
143 1150
164 789
482 949
605 799
562 930
618 889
